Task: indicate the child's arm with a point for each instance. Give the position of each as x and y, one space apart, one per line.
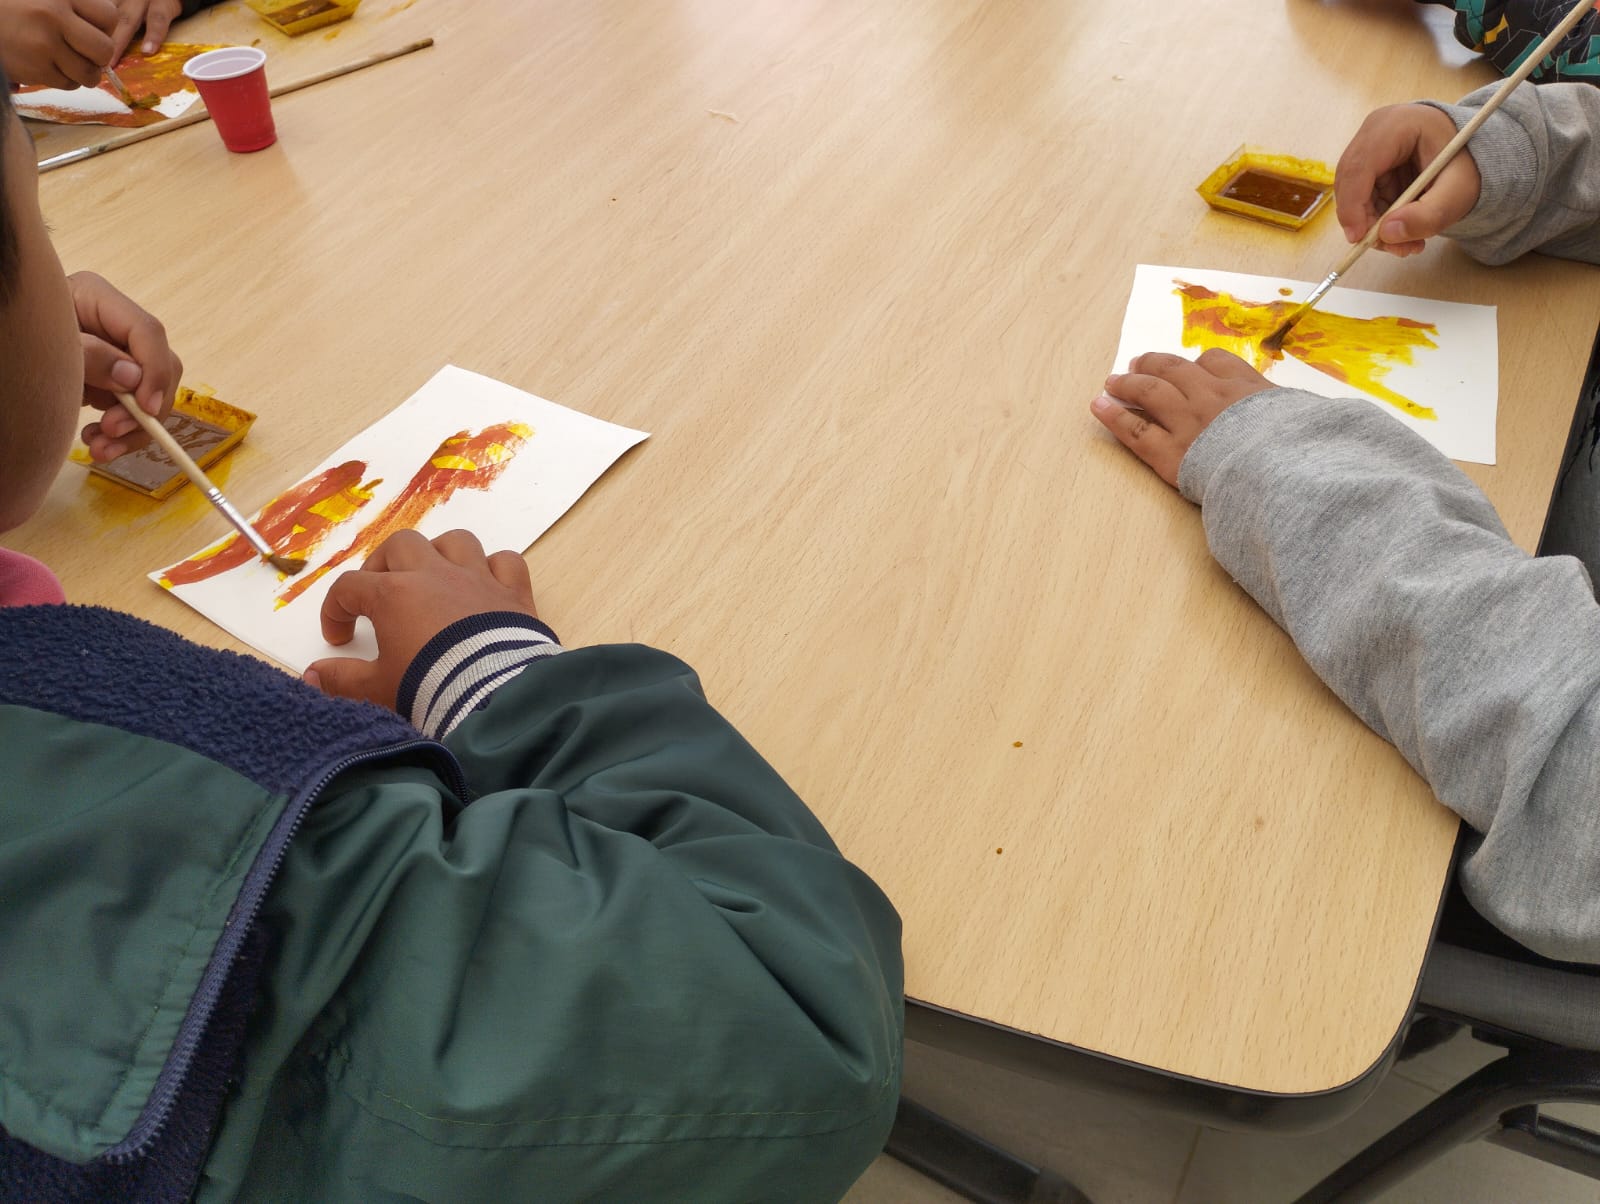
1398 583
632 966
1529 179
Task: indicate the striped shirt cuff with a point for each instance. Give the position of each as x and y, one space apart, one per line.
457 670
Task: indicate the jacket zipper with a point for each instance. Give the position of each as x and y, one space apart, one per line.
158 1109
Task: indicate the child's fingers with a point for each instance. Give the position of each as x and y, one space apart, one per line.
461 548
1385 141
344 677
1146 439
1226 364
1153 386
404 550
353 595
157 20
511 571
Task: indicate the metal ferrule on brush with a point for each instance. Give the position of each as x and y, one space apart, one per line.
238 520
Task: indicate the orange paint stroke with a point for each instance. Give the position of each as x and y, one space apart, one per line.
1354 351
294 523
462 461
148 77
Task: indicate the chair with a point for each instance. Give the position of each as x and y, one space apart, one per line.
1544 1014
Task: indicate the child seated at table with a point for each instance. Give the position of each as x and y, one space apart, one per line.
68 43
568 937
1505 31
1384 562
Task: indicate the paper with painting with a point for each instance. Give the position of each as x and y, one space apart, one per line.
463 451
156 84
1433 365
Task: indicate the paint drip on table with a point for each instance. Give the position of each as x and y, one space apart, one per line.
157 88
1431 364
514 467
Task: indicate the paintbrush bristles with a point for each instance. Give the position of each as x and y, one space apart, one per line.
287 564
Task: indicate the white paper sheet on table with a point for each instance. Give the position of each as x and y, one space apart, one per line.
537 483
90 106
1459 379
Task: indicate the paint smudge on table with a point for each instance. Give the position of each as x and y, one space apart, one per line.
463 461
295 523
1353 351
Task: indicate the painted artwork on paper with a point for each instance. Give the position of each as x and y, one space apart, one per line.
155 82
463 451
1434 365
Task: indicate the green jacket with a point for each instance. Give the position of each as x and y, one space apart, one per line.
260 944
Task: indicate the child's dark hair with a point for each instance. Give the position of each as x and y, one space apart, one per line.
8 234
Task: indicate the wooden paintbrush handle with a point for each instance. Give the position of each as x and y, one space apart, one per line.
1464 134
199 113
163 436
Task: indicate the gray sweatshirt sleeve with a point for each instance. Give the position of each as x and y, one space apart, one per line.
1539 156
1398 583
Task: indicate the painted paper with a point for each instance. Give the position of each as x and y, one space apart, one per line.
155 82
1433 365
464 451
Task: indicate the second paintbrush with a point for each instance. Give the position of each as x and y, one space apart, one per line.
284 564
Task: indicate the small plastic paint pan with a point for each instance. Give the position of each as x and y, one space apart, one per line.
1280 190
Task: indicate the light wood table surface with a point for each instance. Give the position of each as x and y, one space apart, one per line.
859 267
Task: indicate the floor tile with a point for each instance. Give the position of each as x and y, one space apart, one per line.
1442 1067
1234 1168
891 1182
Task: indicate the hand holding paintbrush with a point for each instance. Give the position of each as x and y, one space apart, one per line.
1274 341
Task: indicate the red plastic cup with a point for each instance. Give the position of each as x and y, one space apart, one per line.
233 83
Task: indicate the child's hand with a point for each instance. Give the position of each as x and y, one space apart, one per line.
156 16
1174 399
60 43
1388 152
412 589
124 349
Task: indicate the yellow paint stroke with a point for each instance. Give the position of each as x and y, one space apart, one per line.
1354 351
463 461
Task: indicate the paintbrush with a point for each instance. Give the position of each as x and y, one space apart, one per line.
123 94
199 114
284 564
1274 341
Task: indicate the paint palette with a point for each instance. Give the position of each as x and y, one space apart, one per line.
1277 189
295 17
204 427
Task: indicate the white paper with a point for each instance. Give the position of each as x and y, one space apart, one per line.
1459 379
538 482
89 106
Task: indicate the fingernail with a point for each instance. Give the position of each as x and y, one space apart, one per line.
1393 230
1113 379
1101 404
151 47
127 374
312 678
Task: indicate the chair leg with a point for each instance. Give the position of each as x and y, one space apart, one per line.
969 1165
1466 1112
1570 1147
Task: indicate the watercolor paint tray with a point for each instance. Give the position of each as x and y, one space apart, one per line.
295 17
204 427
1280 190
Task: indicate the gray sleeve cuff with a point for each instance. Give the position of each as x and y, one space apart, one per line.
1239 424
1507 162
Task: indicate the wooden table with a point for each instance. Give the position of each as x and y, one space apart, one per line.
860 266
